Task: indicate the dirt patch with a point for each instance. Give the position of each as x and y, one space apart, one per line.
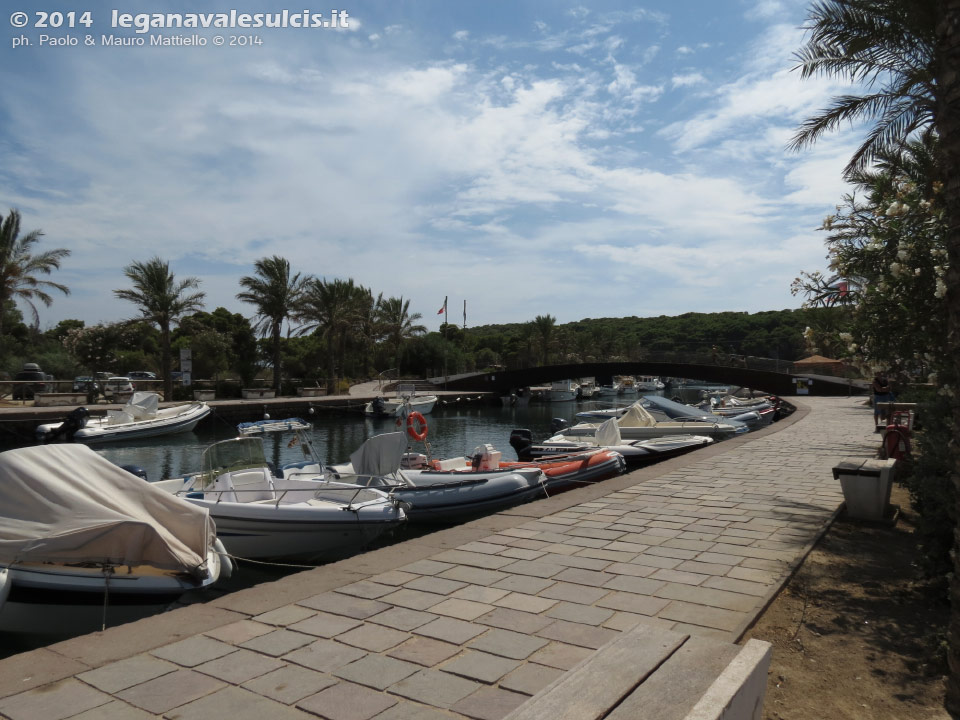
857 633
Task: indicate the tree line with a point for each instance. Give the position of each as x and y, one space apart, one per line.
332 330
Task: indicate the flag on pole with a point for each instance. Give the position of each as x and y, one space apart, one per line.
442 310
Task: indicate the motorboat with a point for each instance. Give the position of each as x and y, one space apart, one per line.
446 493
590 465
298 513
607 436
646 383
588 389
260 427
140 417
602 414
638 424
405 401
611 390
628 385
85 544
752 418
562 391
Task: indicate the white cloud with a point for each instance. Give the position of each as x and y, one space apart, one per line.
688 79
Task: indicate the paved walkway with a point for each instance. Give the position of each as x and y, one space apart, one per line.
472 621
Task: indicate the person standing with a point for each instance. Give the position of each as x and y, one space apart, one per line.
881 394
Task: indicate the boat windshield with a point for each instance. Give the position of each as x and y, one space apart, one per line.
230 456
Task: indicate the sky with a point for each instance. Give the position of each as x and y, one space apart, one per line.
573 159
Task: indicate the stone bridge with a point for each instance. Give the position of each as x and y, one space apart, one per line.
777 377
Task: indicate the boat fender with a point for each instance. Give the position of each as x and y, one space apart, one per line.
5 583
226 564
417 426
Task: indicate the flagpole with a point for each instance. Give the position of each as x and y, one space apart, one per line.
445 320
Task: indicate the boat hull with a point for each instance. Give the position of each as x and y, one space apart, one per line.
98 431
61 600
439 496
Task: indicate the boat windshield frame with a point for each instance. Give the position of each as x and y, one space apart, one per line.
229 456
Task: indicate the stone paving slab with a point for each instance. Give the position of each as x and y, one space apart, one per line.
471 621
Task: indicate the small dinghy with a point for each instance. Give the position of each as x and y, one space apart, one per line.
607 436
141 417
442 494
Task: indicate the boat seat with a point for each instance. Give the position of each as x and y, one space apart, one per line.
246 485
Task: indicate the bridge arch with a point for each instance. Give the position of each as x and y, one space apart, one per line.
764 380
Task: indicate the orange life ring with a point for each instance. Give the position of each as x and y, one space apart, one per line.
416 426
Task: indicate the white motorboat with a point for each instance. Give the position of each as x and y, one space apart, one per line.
674 410
638 424
300 514
590 465
562 391
406 401
259 427
141 417
447 493
602 414
611 390
85 544
589 390
607 436
646 383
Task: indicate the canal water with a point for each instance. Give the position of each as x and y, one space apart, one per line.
455 428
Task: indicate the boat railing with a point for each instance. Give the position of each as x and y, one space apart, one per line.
339 492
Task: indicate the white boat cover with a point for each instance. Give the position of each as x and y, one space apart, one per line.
143 405
608 434
636 416
65 503
380 455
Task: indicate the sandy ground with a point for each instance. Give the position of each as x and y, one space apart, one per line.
857 633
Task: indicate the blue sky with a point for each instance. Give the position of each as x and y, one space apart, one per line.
597 159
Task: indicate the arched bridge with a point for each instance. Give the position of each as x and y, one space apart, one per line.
780 378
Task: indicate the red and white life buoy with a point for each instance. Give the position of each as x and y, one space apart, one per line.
417 426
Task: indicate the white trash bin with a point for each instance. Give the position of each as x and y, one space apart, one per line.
866 486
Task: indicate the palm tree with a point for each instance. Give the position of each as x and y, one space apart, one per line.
161 301
545 326
884 44
19 268
276 295
334 309
397 324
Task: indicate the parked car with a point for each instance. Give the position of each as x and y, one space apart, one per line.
85 383
117 386
30 371
138 376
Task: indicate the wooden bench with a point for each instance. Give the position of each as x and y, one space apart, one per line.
649 672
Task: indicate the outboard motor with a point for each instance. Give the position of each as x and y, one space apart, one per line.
379 405
75 420
135 470
558 424
522 441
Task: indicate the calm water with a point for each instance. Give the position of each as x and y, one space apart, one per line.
454 429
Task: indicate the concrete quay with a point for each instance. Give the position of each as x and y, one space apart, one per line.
488 618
